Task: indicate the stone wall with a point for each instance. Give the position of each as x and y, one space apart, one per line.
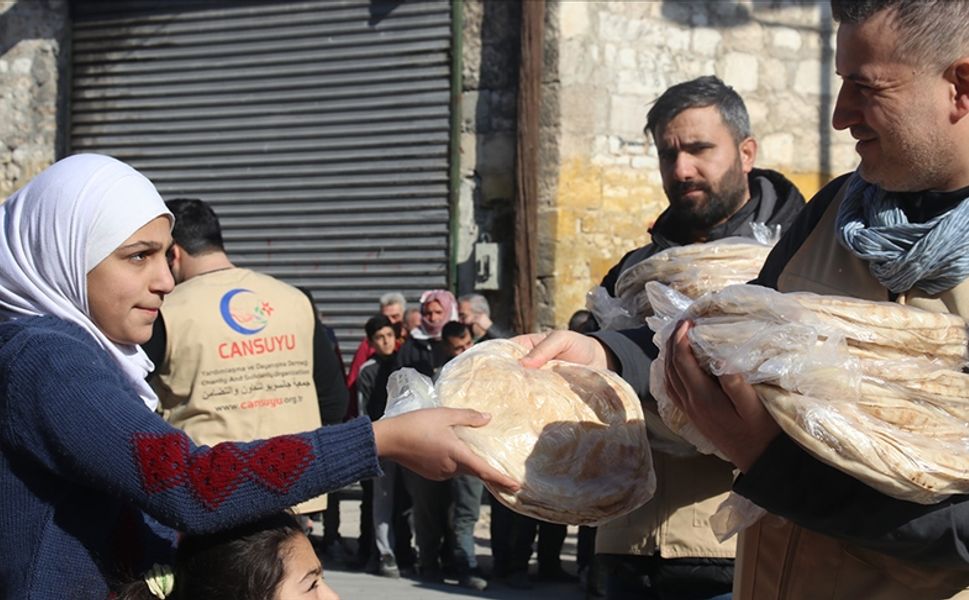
34 50
490 51
615 58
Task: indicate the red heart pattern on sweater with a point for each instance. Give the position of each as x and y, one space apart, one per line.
280 461
162 460
216 473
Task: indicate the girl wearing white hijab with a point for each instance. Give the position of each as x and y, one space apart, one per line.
87 472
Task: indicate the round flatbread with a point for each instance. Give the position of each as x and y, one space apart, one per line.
692 270
574 436
874 389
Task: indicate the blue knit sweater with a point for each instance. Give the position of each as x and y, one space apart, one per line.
86 469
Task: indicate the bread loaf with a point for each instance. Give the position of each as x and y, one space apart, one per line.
574 436
875 389
692 270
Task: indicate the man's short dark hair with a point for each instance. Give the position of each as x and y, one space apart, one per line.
197 228
930 32
375 324
454 330
700 93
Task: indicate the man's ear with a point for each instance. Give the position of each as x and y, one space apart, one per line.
958 76
748 153
175 255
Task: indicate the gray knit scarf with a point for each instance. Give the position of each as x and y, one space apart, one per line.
932 256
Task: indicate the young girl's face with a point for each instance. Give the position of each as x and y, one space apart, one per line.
125 290
302 573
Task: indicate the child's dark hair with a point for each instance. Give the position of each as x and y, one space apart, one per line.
375 324
454 330
243 563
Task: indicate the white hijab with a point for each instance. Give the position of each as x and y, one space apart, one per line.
57 228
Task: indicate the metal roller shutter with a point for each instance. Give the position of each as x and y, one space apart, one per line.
318 130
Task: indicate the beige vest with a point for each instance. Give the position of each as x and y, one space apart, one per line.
239 360
676 521
777 560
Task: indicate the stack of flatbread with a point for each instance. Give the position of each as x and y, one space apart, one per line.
875 389
692 270
572 435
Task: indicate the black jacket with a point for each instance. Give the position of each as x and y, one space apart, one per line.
774 200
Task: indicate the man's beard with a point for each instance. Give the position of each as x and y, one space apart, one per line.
718 205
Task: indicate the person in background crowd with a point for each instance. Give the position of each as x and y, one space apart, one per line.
412 320
269 559
591 570
513 539
548 550
457 338
332 542
392 305
77 416
378 501
474 311
465 491
425 352
206 326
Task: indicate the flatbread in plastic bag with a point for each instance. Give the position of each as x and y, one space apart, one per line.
574 436
694 269
875 389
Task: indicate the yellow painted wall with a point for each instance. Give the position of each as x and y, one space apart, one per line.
601 213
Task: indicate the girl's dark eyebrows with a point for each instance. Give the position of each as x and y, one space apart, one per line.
141 244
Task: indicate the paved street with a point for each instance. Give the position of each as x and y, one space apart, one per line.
355 585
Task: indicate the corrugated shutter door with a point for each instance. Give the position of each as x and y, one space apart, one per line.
317 130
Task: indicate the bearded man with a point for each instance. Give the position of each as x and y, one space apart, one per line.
706 159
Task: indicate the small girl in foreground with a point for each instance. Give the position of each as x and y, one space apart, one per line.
270 559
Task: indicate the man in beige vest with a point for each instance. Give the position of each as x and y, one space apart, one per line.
239 355
905 97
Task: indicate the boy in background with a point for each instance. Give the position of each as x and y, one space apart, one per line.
377 507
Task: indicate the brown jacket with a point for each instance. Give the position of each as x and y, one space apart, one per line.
778 560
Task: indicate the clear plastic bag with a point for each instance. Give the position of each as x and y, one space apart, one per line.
573 436
696 269
611 313
874 389
734 514
408 390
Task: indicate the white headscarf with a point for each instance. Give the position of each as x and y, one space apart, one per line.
57 228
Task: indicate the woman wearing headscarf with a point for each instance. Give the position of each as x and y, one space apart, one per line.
92 482
423 349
